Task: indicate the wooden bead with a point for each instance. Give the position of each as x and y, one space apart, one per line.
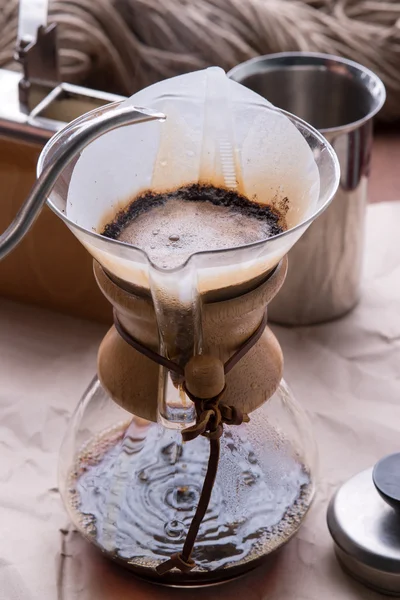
204 376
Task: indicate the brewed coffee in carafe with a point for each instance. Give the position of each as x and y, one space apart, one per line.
188 460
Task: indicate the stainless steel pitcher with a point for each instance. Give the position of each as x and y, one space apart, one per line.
339 97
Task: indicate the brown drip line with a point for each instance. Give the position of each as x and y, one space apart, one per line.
211 415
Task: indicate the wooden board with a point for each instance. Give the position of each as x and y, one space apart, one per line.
49 268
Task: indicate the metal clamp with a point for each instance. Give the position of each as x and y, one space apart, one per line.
36 50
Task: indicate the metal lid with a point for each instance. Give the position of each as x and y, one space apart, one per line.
365 527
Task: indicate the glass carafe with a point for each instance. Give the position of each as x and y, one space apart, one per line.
129 482
131 487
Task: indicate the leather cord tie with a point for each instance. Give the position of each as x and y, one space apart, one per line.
211 415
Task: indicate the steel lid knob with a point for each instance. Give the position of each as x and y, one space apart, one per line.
386 478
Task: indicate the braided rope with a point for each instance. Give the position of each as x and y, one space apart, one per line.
124 45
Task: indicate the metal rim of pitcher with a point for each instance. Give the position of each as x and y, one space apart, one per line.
267 62
117 243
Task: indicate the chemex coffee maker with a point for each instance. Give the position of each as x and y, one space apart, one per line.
187 460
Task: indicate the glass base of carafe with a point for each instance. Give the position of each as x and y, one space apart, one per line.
210 579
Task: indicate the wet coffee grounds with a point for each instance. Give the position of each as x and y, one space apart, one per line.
237 203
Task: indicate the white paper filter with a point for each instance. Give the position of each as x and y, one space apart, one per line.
216 131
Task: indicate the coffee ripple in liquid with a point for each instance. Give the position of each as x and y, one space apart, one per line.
135 489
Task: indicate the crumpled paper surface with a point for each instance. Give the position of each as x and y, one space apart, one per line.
345 373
